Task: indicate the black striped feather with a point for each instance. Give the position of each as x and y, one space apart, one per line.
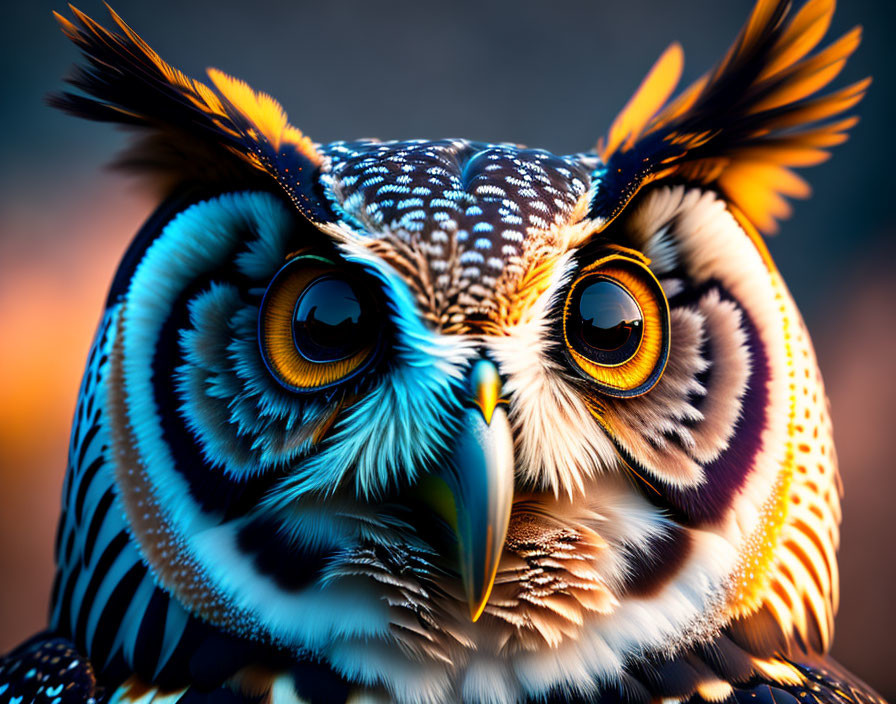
106 602
104 595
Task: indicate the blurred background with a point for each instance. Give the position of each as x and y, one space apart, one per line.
547 75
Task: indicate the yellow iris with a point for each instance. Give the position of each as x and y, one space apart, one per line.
636 373
276 329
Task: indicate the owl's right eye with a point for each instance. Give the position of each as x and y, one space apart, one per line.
616 325
607 323
318 326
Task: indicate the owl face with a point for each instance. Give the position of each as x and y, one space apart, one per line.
460 416
454 437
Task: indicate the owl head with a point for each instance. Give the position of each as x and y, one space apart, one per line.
474 421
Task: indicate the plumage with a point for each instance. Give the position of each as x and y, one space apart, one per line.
435 421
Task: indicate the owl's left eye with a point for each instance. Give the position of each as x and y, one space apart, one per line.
318 324
616 325
330 323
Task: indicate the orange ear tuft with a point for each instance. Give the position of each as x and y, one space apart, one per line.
195 133
652 94
743 127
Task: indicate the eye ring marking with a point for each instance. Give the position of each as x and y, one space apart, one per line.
281 350
641 368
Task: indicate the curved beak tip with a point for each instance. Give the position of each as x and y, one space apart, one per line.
477 609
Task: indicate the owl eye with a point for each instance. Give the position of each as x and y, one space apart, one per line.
616 325
606 324
318 325
329 323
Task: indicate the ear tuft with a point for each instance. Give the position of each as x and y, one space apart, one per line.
654 91
193 134
742 128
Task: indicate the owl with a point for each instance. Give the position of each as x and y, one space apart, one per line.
420 422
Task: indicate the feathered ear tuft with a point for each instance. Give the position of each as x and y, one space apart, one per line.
742 128
194 133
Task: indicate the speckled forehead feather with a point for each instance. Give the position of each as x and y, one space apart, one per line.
454 198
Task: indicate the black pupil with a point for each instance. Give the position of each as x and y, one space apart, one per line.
609 322
329 323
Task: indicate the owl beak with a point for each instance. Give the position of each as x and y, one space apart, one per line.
474 493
